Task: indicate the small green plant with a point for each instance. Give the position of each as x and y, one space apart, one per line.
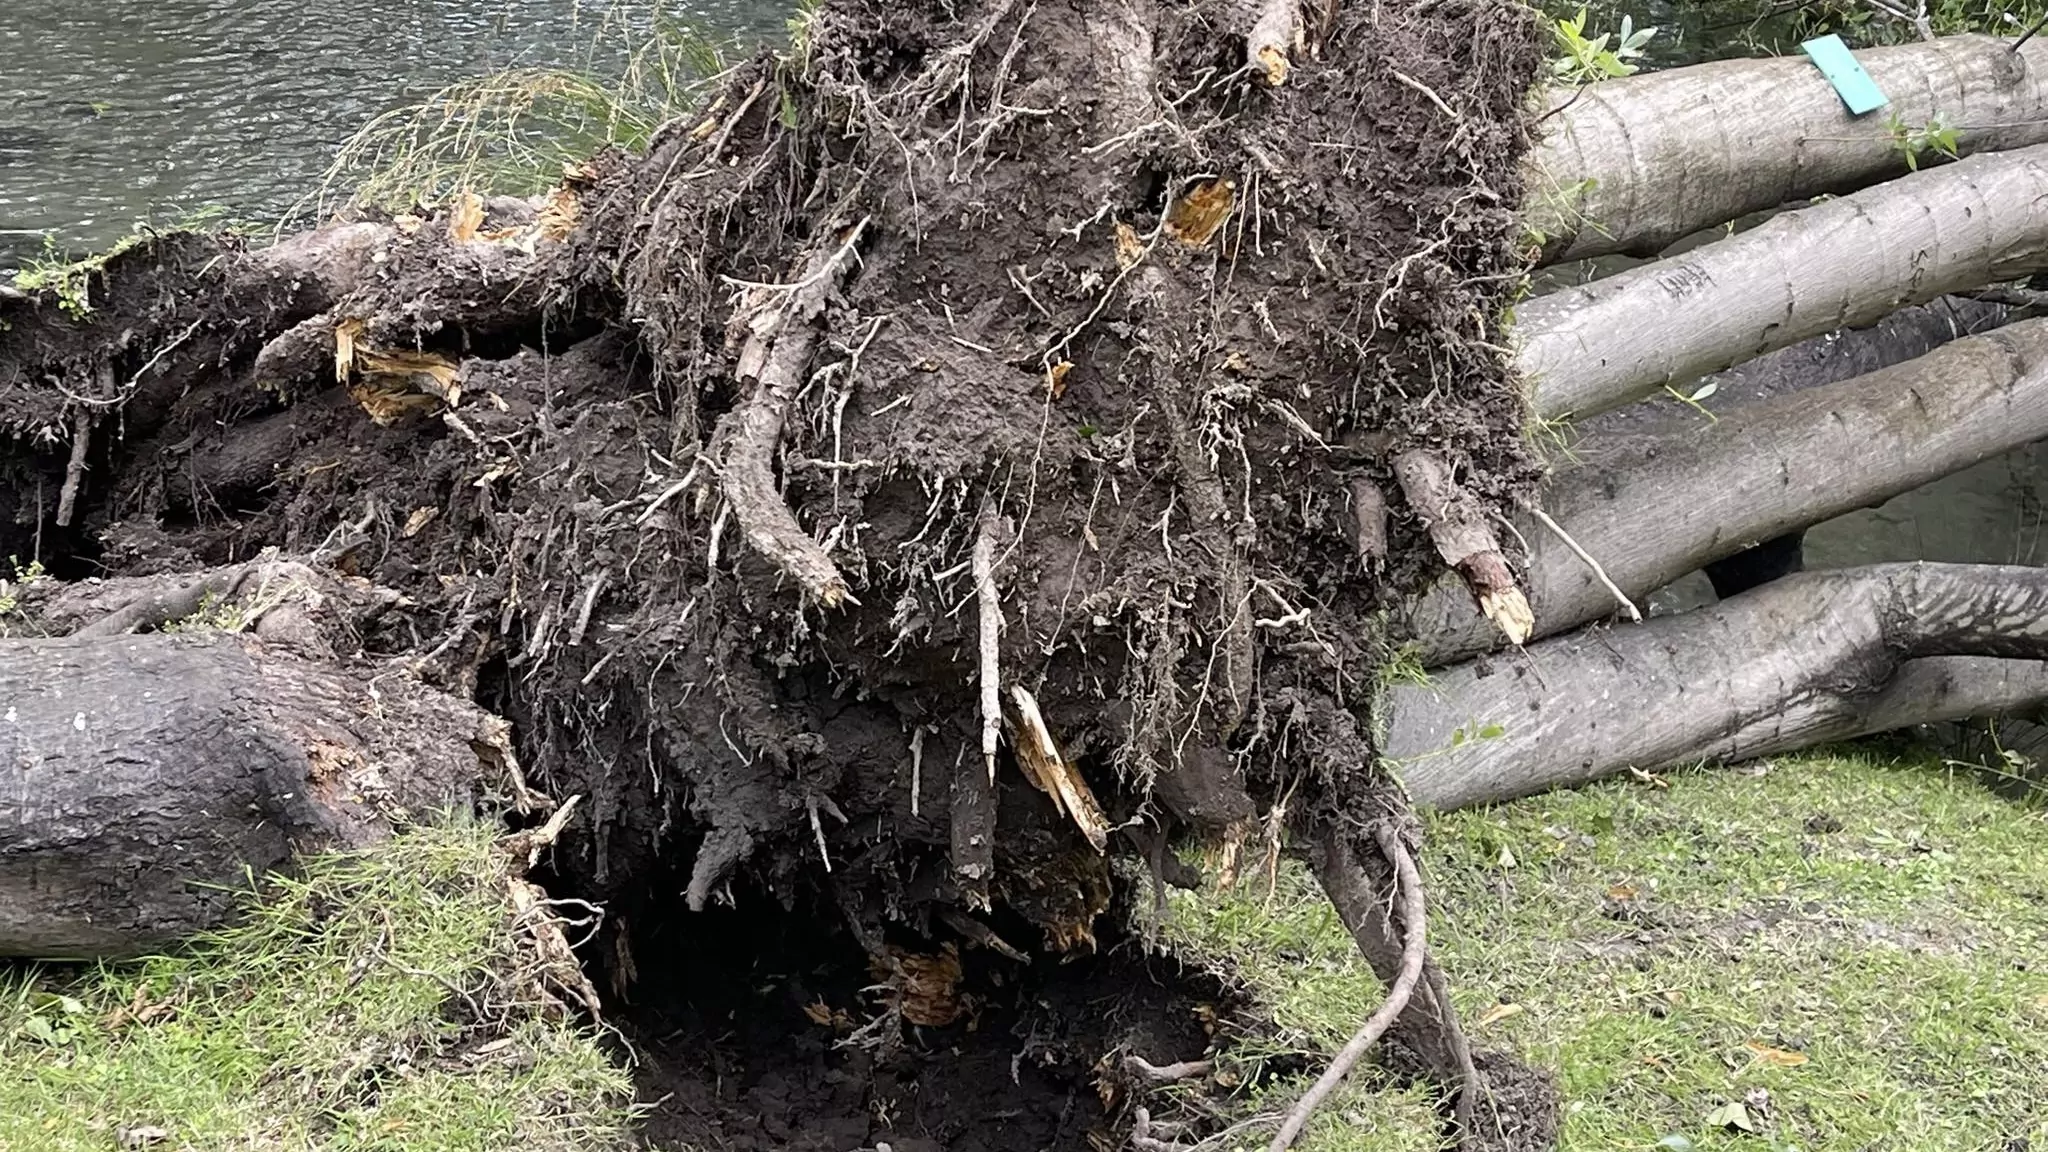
1697 400
12 588
70 281
1912 142
1587 60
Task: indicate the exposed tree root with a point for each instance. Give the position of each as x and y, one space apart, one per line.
1408 890
781 332
1458 526
1807 657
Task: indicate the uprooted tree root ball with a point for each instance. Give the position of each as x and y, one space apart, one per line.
961 458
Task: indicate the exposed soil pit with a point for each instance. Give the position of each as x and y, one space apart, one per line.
977 451
770 1030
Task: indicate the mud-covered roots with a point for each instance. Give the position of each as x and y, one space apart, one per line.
996 369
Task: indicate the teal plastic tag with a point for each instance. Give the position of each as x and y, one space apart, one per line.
1851 82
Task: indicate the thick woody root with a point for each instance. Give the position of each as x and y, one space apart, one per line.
1456 523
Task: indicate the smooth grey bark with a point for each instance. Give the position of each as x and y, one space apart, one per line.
1632 165
1831 358
1838 264
1655 508
145 779
1811 657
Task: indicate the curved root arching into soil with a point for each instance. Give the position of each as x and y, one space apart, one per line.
685 475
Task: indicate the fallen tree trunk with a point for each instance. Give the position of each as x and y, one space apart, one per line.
1814 656
1817 361
1839 264
145 779
1632 165
1655 508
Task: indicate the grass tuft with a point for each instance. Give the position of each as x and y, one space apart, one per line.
376 1002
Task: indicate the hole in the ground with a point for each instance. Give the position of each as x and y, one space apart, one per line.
744 1020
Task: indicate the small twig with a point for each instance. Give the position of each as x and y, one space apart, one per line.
1635 614
74 472
1426 90
153 361
981 934
1167 1074
1408 882
590 594
989 639
2031 33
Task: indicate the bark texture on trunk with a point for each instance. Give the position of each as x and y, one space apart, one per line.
143 779
1632 165
1839 264
1814 656
1656 508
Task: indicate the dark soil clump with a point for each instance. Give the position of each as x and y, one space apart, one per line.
1054 341
760 1032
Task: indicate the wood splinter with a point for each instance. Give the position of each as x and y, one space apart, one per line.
1457 526
989 640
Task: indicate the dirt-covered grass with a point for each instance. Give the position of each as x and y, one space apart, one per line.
377 1002
1856 941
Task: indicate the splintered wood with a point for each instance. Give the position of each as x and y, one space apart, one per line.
1457 526
1039 756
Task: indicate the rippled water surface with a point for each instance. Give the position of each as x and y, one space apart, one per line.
113 111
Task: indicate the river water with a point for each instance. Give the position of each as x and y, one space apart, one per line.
115 111
118 111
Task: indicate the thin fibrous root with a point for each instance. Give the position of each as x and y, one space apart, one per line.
74 472
1413 949
1276 30
782 332
1457 526
989 639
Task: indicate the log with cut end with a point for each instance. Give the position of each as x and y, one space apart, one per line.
1841 263
145 779
1632 165
1655 508
1810 657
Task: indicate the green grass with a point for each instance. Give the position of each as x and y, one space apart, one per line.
379 1002
512 132
1670 951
